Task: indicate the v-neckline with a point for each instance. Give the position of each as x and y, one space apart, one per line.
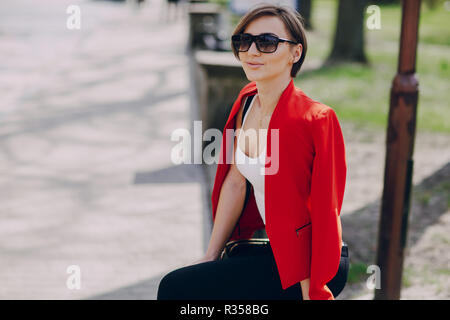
242 129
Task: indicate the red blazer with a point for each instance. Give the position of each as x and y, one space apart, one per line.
303 192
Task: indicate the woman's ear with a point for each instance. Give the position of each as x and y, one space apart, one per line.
297 53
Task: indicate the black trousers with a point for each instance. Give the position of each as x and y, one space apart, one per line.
249 277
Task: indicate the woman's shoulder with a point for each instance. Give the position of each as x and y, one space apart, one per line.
313 110
321 111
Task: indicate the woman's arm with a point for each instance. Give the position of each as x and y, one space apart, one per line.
304 284
231 202
327 192
229 207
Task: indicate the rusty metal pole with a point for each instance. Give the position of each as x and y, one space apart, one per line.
399 163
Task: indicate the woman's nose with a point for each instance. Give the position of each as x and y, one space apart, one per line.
253 49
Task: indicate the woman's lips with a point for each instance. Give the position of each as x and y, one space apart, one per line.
254 65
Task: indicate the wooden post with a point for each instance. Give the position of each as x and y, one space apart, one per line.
399 163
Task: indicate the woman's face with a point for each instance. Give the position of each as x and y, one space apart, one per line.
266 66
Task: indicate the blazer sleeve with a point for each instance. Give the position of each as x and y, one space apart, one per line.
327 192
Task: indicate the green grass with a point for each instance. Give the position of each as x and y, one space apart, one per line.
407 275
443 271
442 189
360 93
357 273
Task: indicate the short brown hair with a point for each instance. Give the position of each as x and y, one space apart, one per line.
292 20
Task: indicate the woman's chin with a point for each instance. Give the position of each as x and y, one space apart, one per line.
254 76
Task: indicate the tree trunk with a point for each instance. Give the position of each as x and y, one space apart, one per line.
348 43
304 8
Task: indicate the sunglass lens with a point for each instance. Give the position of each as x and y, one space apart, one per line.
241 42
267 43
245 42
236 40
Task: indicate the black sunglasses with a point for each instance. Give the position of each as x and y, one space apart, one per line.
265 42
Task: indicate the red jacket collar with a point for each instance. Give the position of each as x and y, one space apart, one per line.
251 89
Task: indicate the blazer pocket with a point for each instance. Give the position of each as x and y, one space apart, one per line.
303 226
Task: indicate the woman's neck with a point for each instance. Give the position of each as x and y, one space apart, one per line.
269 92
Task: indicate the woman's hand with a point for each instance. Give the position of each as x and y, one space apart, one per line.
205 258
304 284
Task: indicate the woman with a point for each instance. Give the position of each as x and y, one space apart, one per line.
295 166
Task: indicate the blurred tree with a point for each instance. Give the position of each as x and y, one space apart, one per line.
304 8
348 44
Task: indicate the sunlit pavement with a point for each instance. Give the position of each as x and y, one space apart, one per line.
85 123
86 177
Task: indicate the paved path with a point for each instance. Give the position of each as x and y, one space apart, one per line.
86 176
85 123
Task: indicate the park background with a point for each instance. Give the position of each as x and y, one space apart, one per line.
86 118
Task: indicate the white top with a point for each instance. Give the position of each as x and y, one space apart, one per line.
253 168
